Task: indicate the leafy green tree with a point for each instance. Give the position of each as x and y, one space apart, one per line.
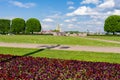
4 25
33 25
112 24
18 25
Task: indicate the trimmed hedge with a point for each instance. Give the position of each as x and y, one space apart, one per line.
112 24
19 26
4 26
33 25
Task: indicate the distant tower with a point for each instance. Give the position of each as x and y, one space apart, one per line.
58 28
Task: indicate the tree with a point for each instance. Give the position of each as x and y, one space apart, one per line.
33 25
4 25
112 24
18 25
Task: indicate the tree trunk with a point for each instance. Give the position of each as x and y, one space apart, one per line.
3 32
107 33
113 33
32 32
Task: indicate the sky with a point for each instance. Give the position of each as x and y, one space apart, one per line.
71 15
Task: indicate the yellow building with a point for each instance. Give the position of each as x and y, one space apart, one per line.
58 28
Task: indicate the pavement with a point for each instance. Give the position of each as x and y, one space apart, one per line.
62 47
103 40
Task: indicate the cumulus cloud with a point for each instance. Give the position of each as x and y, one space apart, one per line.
71 25
116 12
22 5
107 4
67 20
90 2
48 20
91 22
61 24
70 20
70 3
98 17
108 7
83 10
71 7
57 15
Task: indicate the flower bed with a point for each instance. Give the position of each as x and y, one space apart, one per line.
30 68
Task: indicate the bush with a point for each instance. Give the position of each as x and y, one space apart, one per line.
4 26
18 25
30 68
33 25
112 24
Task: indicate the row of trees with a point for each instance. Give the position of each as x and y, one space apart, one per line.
112 24
19 25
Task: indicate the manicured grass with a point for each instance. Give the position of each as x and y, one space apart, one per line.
114 38
69 55
39 39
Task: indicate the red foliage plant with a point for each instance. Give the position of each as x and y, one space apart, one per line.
31 68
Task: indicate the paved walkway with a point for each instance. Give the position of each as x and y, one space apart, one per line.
103 40
62 47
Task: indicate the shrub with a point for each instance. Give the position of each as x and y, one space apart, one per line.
112 24
18 25
33 25
4 25
30 68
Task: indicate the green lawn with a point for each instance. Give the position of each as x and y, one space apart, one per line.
69 55
39 39
114 38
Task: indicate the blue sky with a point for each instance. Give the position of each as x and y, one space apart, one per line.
77 15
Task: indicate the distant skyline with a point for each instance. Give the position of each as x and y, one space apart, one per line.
77 15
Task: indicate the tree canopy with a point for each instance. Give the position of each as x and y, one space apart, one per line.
112 24
18 25
33 25
4 26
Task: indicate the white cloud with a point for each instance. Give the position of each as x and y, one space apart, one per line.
71 25
90 2
48 20
61 24
71 7
45 26
83 10
55 16
101 17
73 19
22 5
48 26
116 12
70 20
91 22
70 3
106 8
67 20
107 4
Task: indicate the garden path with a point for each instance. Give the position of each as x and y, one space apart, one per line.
103 40
62 47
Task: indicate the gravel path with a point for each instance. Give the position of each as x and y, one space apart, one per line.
63 47
103 40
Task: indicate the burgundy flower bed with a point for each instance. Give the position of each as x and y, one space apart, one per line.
30 68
